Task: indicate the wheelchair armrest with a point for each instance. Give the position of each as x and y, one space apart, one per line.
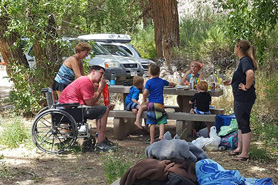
67 105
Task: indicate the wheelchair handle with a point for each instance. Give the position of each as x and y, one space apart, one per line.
49 94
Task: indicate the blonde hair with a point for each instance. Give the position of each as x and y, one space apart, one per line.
138 80
82 46
203 85
248 50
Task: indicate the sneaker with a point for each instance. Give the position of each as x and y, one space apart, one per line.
109 143
102 146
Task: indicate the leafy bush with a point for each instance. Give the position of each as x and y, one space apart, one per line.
145 43
26 94
14 133
4 171
259 154
114 166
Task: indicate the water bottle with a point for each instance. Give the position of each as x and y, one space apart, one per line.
192 81
113 79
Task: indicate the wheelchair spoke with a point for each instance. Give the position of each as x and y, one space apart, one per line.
46 123
54 131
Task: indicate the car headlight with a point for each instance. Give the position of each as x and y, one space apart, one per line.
112 64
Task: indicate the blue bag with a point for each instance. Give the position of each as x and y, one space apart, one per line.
229 141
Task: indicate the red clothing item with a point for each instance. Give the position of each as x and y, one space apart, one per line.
79 90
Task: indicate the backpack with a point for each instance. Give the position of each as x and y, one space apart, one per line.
229 141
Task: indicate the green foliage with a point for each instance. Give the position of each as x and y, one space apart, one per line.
26 94
266 134
203 38
251 20
114 166
271 94
4 171
14 133
145 43
259 154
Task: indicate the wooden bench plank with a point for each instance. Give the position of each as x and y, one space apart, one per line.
182 116
123 122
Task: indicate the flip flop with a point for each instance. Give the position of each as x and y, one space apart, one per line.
240 158
233 153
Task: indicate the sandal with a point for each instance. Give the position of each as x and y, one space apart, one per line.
233 153
241 158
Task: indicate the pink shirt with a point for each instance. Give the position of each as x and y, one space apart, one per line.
79 90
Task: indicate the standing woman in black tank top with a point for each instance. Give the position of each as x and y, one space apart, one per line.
243 84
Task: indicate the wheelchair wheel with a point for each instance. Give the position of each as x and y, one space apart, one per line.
54 131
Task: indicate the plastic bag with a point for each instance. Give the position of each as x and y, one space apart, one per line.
211 143
200 142
214 140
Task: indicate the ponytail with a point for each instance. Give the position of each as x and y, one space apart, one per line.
251 54
248 50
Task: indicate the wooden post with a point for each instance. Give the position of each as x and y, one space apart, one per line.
123 126
184 129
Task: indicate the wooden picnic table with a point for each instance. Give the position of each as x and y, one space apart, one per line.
184 121
186 94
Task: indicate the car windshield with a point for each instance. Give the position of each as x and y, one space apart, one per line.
116 50
99 50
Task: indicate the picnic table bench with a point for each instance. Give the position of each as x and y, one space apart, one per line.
124 122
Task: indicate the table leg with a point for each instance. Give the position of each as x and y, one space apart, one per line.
124 96
184 128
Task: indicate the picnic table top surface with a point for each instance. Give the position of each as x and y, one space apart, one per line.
167 90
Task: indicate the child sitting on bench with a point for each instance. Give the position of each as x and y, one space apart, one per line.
202 101
131 101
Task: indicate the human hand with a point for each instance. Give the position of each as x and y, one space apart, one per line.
227 82
96 85
102 83
191 111
242 87
111 106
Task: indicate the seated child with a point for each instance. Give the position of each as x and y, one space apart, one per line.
156 113
202 100
131 101
194 70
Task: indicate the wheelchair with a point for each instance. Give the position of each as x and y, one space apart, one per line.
57 127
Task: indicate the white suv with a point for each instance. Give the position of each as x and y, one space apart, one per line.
123 68
117 44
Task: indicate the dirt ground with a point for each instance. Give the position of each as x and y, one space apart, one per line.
25 167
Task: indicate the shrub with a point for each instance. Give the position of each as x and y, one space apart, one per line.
26 94
114 166
14 133
145 43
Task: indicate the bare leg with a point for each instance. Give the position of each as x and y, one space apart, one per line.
208 126
239 146
101 126
141 109
59 93
246 140
161 130
152 132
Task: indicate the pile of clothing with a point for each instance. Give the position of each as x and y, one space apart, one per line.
177 162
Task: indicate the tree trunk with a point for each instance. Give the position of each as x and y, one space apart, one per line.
170 31
166 26
157 21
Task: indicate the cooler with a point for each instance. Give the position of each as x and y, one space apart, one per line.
223 120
